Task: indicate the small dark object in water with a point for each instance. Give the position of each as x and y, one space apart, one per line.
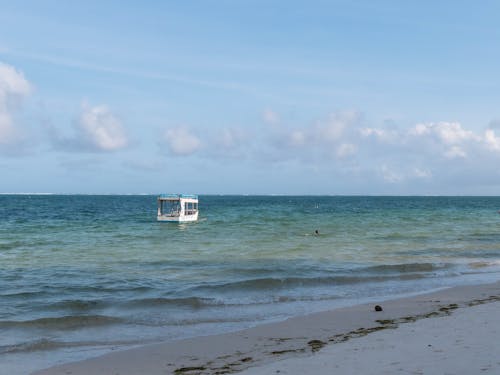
316 231
378 308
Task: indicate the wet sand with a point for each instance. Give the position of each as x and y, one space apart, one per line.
410 335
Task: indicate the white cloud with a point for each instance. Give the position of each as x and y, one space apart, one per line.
455 152
270 117
13 87
97 129
422 173
346 150
230 138
420 129
367 132
447 132
453 133
383 135
491 140
389 175
335 126
181 141
12 81
398 174
297 138
101 130
330 138
442 140
449 149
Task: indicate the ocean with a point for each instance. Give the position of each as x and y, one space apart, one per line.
81 275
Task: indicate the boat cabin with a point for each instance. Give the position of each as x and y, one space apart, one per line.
177 208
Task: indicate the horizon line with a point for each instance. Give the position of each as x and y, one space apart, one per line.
258 194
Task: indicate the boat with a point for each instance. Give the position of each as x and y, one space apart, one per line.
177 208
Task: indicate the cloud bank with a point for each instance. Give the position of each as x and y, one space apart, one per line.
344 142
340 145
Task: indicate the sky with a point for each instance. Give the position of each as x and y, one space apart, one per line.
250 97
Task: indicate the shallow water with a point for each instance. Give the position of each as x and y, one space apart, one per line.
81 275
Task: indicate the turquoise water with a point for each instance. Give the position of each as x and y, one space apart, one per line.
81 275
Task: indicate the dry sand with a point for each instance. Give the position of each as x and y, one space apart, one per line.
449 331
464 343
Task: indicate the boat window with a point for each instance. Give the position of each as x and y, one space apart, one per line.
190 208
170 208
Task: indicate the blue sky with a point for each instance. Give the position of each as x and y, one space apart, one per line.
250 97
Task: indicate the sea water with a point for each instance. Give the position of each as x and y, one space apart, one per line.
81 275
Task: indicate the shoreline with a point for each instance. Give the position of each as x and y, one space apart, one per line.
301 336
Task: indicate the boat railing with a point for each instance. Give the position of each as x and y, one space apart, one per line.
178 196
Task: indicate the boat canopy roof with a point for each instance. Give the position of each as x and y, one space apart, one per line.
177 196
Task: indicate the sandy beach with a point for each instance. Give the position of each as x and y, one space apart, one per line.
462 343
449 331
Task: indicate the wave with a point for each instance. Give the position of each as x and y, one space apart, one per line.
287 299
198 303
407 267
42 344
63 322
370 274
79 305
48 344
192 302
480 264
269 283
23 294
197 321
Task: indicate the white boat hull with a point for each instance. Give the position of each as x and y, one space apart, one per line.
178 219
